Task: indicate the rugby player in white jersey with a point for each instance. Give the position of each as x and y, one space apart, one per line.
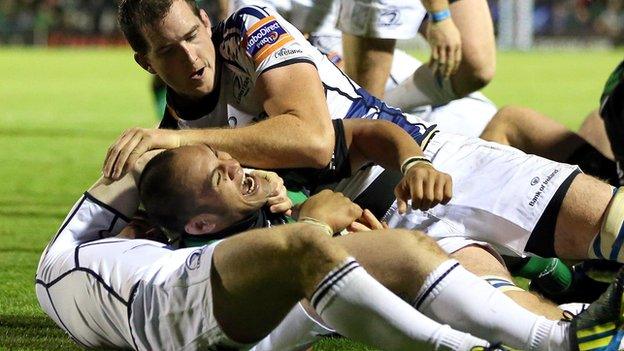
317 19
460 33
163 195
107 289
280 92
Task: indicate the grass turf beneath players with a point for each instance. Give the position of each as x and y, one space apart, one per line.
60 109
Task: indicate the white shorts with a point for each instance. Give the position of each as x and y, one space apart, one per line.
499 194
315 17
466 116
384 19
177 313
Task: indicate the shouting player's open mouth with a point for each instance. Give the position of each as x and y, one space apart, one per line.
249 185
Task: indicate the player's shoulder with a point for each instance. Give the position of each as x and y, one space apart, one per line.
249 15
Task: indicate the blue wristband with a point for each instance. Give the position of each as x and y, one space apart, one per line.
440 16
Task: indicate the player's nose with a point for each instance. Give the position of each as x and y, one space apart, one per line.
232 168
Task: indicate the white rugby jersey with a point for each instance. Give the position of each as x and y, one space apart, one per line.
256 39
87 282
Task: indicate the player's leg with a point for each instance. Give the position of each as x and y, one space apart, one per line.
477 68
481 262
370 29
535 133
589 221
368 61
474 21
532 132
442 289
593 130
258 277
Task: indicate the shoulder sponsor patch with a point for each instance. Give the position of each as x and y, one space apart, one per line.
264 38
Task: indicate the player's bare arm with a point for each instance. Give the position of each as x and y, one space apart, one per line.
395 149
298 132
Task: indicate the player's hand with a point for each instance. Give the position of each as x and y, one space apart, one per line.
366 222
425 186
446 50
133 143
139 227
331 208
278 200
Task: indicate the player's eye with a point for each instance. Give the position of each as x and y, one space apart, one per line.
164 51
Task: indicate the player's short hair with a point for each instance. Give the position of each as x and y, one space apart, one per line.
134 15
168 203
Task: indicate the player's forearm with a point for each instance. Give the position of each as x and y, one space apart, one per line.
122 195
282 141
384 143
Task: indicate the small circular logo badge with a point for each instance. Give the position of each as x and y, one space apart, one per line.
535 180
232 122
193 260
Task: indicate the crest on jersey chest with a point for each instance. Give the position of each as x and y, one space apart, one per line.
241 86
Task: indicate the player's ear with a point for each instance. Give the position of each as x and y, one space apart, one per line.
142 60
200 224
205 19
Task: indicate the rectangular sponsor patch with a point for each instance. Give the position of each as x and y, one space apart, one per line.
264 38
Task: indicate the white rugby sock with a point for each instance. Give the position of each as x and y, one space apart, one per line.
297 331
421 89
483 310
359 307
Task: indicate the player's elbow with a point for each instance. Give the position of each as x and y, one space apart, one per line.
319 152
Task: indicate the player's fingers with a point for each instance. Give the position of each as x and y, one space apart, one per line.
111 155
114 151
450 66
401 198
458 59
448 190
416 191
281 207
433 62
429 199
371 221
439 190
126 151
358 227
121 165
443 60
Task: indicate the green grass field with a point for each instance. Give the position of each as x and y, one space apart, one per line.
60 109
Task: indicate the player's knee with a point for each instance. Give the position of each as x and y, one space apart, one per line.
415 238
415 247
502 126
477 73
314 254
483 75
